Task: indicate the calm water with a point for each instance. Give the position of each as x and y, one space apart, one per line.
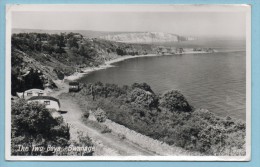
213 81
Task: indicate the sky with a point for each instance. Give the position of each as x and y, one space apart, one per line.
184 22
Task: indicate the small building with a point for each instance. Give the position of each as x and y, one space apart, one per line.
48 101
30 93
73 87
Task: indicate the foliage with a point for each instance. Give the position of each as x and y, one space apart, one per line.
120 52
106 129
98 89
210 134
60 55
86 114
174 101
121 136
143 86
85 141
199 130
97 125
100 115
82 146
140 97
21 83
71 48
33 125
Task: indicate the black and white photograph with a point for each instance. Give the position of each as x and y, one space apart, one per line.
128 82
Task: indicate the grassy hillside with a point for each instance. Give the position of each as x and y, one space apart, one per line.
45 57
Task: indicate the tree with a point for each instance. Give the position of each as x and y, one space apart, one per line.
120 52
142 98
174 101
73 42
143 86
100 115
33 125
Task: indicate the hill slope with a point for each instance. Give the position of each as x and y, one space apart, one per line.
40 58
85 33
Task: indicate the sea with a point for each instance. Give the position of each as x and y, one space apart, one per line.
213 81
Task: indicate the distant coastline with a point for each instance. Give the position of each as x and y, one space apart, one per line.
107 64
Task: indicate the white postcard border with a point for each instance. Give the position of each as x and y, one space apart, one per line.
125 8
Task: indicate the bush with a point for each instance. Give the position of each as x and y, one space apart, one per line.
86 114
106 129
120 52
143 86
174 101
140 97
32 124
83 146
121 136
100 115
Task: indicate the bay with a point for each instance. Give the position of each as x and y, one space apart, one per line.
214 81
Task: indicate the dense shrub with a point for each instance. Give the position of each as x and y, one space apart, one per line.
83 141
143 86
21 82
98 89
32 124
199 130
204 132
140 97
60 55
174 101
86 114
106 129
71 48
100 115
120 52
121 136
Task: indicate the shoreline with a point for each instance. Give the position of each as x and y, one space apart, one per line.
107 64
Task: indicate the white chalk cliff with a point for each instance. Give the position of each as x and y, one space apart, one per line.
143 37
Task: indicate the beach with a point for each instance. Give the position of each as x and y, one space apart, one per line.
107 64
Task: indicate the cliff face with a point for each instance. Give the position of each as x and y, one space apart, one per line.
144 37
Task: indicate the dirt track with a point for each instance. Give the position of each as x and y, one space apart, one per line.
106 144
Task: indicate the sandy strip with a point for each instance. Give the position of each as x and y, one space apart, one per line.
107 64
